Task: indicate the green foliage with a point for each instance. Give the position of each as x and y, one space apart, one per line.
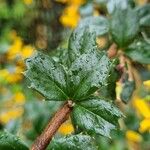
96 116
139 51
128 89
87 71
124 26
73 142
98 24
11 142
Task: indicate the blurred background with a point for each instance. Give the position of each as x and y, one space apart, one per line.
29 25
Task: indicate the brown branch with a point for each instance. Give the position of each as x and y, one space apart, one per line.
60 117
112 51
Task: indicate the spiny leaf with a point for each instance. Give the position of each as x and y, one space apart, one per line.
95 116
81 41
47 77
124 26
88 73
144 14
127 91
139 51
98 24
11 142
73 142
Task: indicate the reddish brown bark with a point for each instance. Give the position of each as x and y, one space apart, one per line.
60 117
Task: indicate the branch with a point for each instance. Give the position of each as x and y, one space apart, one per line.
59 118
112 51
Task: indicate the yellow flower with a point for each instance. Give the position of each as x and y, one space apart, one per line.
15 48
77 2
5 117
145 125
142 107
133 136
19 98
66 128
27 51
15 76
147 84
70 16
28 2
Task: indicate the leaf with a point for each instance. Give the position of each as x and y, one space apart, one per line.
73 142
87 73
108 91
139 51
127 91
112 5
81 41
95 116
124 26
47 77
144 14
99 25
11 142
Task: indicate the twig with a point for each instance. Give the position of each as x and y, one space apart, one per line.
60 117
112 51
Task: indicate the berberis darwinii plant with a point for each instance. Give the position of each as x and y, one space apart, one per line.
75 83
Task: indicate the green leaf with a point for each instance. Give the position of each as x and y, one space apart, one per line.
112 5
99 24
73 142
95 116
109 91
11 142
81 41
47 77
87 73
124 26
144 14
127 91
139 51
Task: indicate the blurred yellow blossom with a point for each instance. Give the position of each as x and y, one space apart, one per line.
27 51
66 128
15 48
70 16
145 125
133 136
12 107
19 98
142 107
11 76
28 2
147 84
5 117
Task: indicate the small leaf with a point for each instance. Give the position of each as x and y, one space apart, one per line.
88 73
81 41
144 14
95 116
112 5
47 77
127 91
139 51
108 91
99 24
11 142
124 26
73 142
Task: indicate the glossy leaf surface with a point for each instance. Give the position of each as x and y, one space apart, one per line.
73 142
46 76
11 142
95 116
